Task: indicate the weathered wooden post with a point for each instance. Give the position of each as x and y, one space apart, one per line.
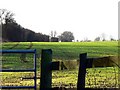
46 72
82 71
46 69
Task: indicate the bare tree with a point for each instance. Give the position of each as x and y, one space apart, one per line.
85 39
103 36
6 16
53 33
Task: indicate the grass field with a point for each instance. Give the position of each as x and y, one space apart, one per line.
69 50
61 51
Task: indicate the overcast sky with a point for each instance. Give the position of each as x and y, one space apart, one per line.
85 18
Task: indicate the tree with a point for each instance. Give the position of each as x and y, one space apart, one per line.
66 36
103 36
6 16
85 39
53 34
97 39
111 38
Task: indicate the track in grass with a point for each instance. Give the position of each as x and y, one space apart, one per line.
9 45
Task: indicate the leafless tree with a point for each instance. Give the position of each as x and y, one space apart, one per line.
6 16
103 36
53 33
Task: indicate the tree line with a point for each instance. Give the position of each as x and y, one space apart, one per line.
12 31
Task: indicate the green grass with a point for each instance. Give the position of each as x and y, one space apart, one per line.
96 77
61 51
71 50
8 45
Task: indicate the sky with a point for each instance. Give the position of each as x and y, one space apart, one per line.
85 18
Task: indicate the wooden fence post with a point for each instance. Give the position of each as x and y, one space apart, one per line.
46 72
82 71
